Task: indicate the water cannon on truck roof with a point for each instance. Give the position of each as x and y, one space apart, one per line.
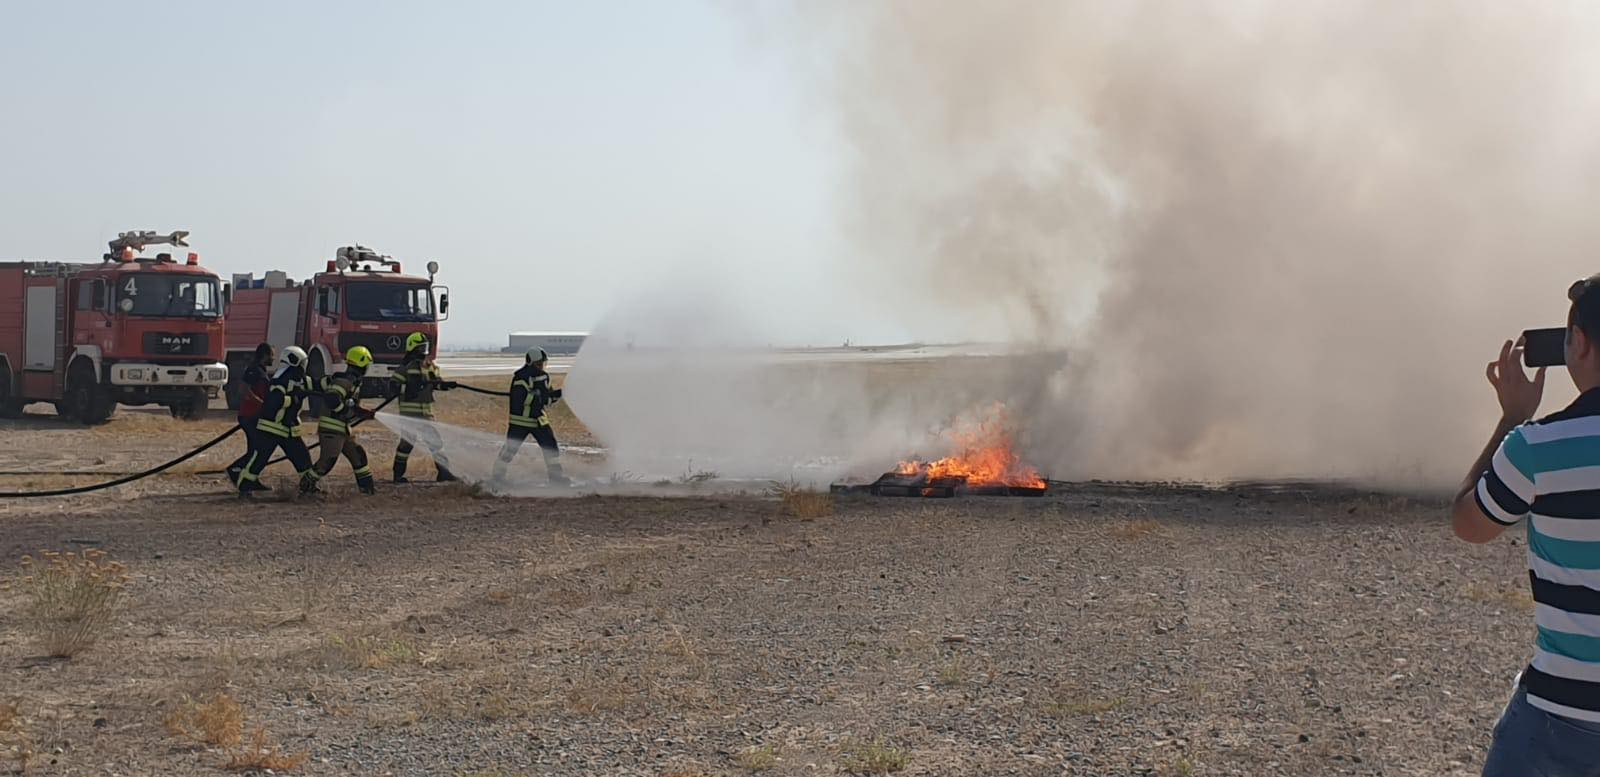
129 329
362 297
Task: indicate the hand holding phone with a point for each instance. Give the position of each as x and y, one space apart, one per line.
1544 347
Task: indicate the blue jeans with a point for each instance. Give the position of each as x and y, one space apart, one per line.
1529 742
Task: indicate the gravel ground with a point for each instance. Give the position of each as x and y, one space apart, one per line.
1105 629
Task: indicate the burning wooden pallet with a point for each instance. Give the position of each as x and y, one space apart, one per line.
983 462
920 484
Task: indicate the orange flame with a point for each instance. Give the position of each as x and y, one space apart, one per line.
984 454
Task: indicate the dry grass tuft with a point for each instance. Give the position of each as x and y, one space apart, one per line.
490 696
1135 529
697 477
71 598
217 721
370 651
262 754
15 743
800 501
1514 596
1183 767
1069 702
757 759
591 695
954 674
874 757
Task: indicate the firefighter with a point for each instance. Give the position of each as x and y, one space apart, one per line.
342 393
530 395
255 381
277 427
414 383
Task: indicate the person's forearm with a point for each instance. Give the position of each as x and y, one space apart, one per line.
1481 466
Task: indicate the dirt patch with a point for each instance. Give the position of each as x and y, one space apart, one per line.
1100 630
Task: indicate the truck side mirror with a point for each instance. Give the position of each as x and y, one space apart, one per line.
227 296
444 303
322 301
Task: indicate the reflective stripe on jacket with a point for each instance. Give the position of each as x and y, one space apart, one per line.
530 395
343 395
280 412
415 381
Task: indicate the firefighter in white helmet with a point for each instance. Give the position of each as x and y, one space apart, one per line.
531 393
278 425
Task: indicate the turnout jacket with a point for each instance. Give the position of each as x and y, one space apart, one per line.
342 392
414 384
280 411
256 384
530 395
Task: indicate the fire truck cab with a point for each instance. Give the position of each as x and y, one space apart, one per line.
362 298
129 329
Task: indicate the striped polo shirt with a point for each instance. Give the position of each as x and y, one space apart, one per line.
1549 472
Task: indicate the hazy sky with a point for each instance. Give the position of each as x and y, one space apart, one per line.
557 159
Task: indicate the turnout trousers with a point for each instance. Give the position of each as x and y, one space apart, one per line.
267 444
251 441
544 436
429 438
331 446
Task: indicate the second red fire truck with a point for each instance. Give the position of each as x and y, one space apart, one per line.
362 298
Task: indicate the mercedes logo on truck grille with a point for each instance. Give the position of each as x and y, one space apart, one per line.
394 342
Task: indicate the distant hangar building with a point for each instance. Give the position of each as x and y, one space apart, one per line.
553 343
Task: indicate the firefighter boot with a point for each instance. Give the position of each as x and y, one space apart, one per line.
552 465
308 483
445 476
400 471
366 486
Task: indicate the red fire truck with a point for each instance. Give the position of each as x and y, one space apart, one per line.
128 329
362 298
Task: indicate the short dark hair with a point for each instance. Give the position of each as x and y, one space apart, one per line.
264 351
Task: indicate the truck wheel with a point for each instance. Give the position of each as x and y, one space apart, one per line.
10 406
89 399
191 409
316 372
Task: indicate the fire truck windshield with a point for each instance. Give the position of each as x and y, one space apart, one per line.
388 302
169 294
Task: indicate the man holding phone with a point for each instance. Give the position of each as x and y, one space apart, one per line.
1548 472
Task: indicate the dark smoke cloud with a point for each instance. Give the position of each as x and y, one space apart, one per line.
1279 238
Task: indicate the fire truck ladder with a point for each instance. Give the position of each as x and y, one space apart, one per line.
139 238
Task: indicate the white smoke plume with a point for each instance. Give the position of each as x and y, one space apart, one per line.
1309 223
1275 239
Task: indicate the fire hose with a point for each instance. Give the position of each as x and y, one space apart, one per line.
214 442
447 385
309 448
476 390
126 478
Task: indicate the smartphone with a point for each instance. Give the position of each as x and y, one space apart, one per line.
1544 347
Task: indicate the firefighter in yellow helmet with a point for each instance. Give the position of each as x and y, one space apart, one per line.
414 384
341 393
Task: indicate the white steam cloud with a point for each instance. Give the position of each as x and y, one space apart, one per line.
1274 238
